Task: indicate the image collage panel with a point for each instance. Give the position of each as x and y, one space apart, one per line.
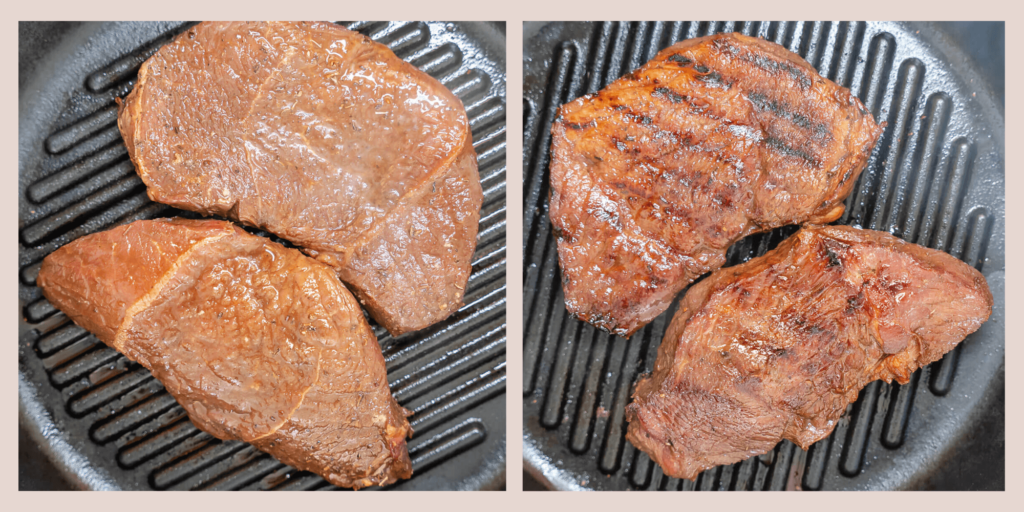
752 251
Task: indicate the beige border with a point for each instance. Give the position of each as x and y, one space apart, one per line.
513 13
514 255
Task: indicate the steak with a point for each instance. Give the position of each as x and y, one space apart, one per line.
326 139
778 347
258 342
656 175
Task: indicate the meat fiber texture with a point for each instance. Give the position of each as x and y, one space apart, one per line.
324 138
258 342
777 347
716 138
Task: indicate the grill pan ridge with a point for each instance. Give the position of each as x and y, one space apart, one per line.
106 422
936 178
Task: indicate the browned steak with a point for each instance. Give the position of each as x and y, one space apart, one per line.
656 175
778 347
257 342
324 138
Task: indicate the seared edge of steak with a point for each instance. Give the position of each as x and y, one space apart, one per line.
778 347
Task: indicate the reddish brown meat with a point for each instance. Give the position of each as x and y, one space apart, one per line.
256 341
778 347
324 138
656 175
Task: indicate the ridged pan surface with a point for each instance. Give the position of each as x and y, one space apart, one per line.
936 178
106 422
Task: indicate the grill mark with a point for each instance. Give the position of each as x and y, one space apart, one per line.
579 126
672 96
765 104
644 119
801 121
781 146
711 77
833 260
773 67
725 45
714 78
685 139
678 58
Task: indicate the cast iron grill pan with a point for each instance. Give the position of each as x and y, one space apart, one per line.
935 178
107 422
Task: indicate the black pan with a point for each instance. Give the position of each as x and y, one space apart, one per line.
106 423
936 177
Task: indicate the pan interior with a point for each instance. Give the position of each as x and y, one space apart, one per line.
105 422
935 177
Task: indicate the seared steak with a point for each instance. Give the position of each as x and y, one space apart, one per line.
324 138
655 176
779 346
257 342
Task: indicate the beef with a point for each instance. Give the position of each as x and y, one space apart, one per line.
716 138
778 347
325 138
256 341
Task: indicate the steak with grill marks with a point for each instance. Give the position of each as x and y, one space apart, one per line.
656 175
325 138
777 347
256 341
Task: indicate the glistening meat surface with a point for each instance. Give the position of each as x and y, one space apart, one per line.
777 347
655 176
324 138
257 342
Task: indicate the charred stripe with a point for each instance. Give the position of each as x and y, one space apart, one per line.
672 96
781 146
763 103
577 126
678 58
773 67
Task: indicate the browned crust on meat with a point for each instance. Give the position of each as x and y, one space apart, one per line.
778 347
716 138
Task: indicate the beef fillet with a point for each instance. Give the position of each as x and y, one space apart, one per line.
324 138
778 347
257 342
656 175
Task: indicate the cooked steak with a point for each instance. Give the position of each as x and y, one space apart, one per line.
256 341
324 138
655 176
779 346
